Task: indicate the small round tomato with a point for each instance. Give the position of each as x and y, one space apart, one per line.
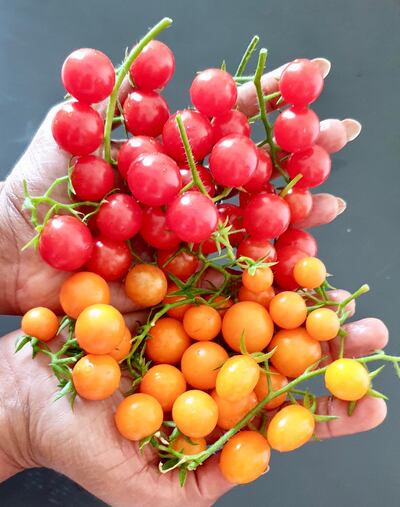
146 285
257 249
182 264
154 229
277 382
213 92
41 323
283 270
132 148
288 310
201 363
111 259
250 320
261 280
237 378
231 412
244 457
82 290
92 178
189 446
99 329
347 379
309 272
323 324
96 377
295 351
179 311
167 341
165 383
290 428
145 113
202 322
195 413
154 67
263 298
120 218
138 416
123 348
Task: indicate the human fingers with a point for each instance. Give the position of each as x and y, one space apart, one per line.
325 208
335 134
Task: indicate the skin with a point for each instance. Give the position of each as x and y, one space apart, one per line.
35 432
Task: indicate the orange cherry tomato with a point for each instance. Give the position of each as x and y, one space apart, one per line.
167 341
323 324
237 378
223 304
82 290
41 323
146 285
231 412
260 281
244 457
182 265
179 311
347 379
123 348
288 310
263 298
195 413
309 272
290 428
202 322
250 320
138 416
201 362
189 446
296 351
99 329
165 383
96 377
277 382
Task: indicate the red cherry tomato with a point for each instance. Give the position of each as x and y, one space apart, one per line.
257 249
120 217
296 129
92 178
314 164
266 216
301 82
300 204
145 113
205 177
299 239
181 265
231 122
283 270
213 92
111 259
154 67
134 147
261 175
154 229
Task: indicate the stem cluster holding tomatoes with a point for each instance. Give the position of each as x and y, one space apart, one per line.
238 303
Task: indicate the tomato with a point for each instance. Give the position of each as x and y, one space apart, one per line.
204 175
154 229
283 270
99 329
260 281
201 363
290 428
323 324
296 129
314 164
277 382
82 290
132 148
202 322
123 348
250 320
244 457
263 298
300 204
231 412
296 351
146 285
309 272
111 259
120 218
237 378
232 215
288 310
257 249
301 82
299 239
167 341
154 66
41 323
266 216
347 379
195 413
165 383
182 264
261 175
96 377
222 304
138 416
179 311
231 122
92 178
213 92
189 446
145 113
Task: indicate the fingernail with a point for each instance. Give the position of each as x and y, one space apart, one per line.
266 471
341 205
353 128
324 64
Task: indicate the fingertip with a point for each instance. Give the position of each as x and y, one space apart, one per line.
324 65
212 483
352 127
342 205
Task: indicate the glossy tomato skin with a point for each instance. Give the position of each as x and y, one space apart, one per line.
145 113
133 147
88 75
261 175
77 128
189 446
237 378
323 324
123 348
41 323
96 377
288 310
181 265
138 416
167 341
259 281
301 82
296 129
92 178
195 413
111 259
257 249
314 164
231 122
300 239
230 413
120 217
290 428
347 379
266 216
205 177
146 285
263 298
65 243
154 67
283 270
300 204
154 229
202 322
179 311
165 383
213 92
309 272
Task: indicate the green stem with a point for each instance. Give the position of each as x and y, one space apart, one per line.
290 185
246 56
223 194
267 98
362 290
243 79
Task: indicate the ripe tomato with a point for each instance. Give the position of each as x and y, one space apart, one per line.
288 310
300 204
202 322
301 82
323 324
283 270
154 229
266 216
123 348
99 329
145 113
314 164
290 428
257 249
296 129
277 382
146 285
244 457
154 67
213 92
189 446
309 272
165 383
179 311
250 320
298 239
222 304
92 178
138 416
231 122
96 377
237 378
41 323
132 148
119 218
167 341
347 379
233 216
82 290
201 363
261 175
296 351
263 298
181 265
260 281
195 413
110 258
231 412
204 175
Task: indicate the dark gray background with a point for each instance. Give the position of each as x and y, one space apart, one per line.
361 38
